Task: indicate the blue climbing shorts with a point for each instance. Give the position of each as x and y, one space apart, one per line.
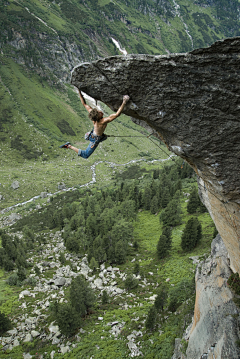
94 142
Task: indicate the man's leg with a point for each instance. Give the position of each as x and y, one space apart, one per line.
85 153
73 148
89 150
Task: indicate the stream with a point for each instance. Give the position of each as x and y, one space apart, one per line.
94 180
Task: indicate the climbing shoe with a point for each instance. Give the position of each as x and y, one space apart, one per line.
65 145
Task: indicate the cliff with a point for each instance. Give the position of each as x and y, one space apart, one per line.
192 101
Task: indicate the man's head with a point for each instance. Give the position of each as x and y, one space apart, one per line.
95 115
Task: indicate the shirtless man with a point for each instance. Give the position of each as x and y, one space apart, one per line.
99 125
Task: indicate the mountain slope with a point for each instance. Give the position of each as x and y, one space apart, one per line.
46 35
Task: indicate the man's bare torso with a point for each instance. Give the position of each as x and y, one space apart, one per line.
99 127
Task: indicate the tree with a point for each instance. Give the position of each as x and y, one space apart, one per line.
162 247
193 202
161 298
62 258
120 252
154 205
81 295
136 269
67 319
147 196
130 282
128 209
93 264
192 233
165 197
72 244
8 264
171 215
165 243
5 323
105 297
21 274
151 318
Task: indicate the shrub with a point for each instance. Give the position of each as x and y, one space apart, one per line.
31 281
234 282
14 280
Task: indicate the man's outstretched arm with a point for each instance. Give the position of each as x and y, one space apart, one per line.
87 107
119 111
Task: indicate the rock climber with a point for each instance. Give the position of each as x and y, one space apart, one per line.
99 125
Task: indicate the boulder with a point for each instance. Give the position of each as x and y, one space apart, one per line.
43 194
28 338
61 186
65 350
15 185
16 342
60 281
35 333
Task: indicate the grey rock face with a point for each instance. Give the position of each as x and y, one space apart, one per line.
215 327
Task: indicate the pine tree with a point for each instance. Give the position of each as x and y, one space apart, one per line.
193 202
81 295
120 252
67 319
136 268
161 298
165 197
162 247
147 196
171 215
105 298
154 205
192 233
93 264
5 323
151 318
